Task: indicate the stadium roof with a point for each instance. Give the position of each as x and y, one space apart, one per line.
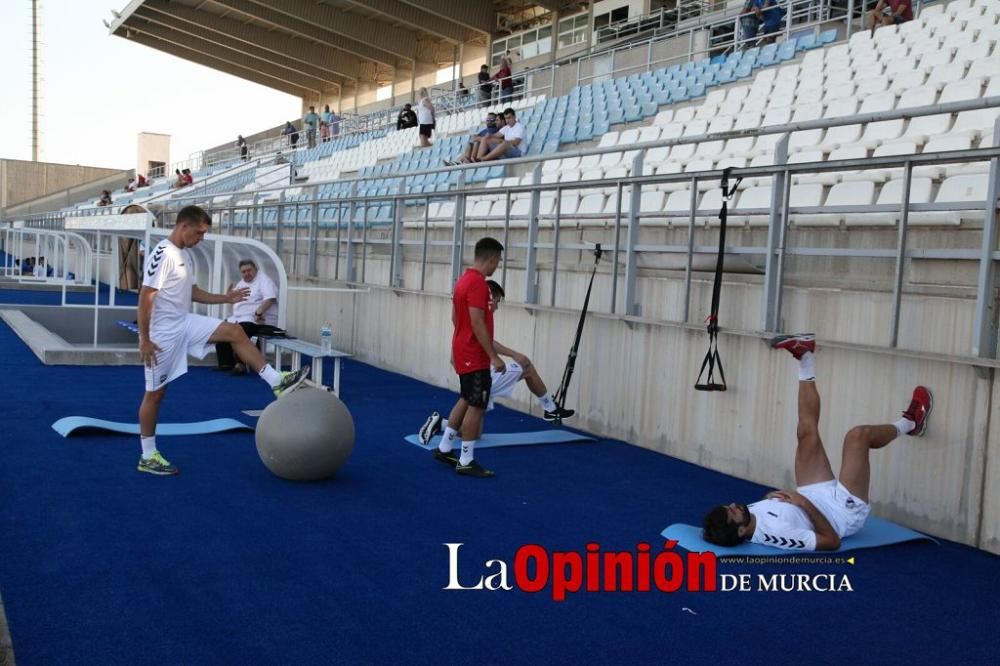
305 46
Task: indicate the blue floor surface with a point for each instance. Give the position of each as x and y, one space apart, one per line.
53 296
227 564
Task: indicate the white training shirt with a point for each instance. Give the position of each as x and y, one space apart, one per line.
170 271
424 114
261 289
782 525
515 131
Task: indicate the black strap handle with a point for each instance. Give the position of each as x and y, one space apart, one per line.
712 357
560 396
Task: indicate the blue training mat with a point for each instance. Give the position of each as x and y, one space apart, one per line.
70 424
491 441
876 532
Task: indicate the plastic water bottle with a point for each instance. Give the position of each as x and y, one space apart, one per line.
326 338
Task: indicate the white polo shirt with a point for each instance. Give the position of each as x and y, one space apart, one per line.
261 289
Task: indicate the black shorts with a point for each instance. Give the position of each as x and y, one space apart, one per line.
425 130
476 387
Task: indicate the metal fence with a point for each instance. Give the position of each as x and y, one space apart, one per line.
354 235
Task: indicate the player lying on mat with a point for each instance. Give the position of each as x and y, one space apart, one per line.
502 385
822 510
169 331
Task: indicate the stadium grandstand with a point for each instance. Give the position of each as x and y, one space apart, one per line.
676 171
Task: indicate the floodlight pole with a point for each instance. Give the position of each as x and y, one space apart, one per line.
34 80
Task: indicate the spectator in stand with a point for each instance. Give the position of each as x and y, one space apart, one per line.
291 133
406 118
130 185
507 142
105 199
485 86
425 118
749 23
40 271
187 177
463 95
141 181
472 148
503 75
890 12
178 180
324 124
334 124
241 143
311 121
770 15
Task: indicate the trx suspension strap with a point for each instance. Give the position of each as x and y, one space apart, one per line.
712 358
560 396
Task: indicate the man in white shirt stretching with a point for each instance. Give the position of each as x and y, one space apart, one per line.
823 509
169 331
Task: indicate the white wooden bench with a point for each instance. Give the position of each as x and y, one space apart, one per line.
298 348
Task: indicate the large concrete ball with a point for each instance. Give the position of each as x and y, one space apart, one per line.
306 435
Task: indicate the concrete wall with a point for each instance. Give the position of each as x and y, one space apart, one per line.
634 380
151 147
22 181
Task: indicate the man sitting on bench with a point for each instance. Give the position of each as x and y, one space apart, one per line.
257 315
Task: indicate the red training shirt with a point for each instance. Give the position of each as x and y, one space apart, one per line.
907 13
471 291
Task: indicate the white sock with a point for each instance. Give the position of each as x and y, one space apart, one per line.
548 404
447 442
468 450
807 367
270 375
904 426
148 446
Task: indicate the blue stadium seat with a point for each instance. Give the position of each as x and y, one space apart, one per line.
767 56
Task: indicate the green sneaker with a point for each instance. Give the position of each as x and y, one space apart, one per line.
448 458
474 469
157 464
291 381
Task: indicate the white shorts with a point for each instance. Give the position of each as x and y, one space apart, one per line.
504 382
846 513
171 360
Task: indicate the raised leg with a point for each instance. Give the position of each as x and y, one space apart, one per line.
245 350
811 462
855 468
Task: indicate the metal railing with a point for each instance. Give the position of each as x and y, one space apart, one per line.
310 240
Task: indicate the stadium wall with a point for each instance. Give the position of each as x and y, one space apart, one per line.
634 381
22 181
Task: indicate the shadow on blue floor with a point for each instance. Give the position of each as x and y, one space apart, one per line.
229 564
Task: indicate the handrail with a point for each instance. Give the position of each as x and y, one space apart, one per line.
823 123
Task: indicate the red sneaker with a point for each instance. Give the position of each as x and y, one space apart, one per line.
919 409
796 345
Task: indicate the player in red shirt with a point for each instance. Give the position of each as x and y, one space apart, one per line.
473 355
520 368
